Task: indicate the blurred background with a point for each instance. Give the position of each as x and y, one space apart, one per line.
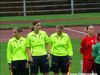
43 7
73 14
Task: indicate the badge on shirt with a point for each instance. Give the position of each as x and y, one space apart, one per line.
92 41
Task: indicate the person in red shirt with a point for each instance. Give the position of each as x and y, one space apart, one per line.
87 44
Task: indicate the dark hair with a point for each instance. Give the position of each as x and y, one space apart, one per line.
35 22
98 34
88 27
18 29
32 28
60 26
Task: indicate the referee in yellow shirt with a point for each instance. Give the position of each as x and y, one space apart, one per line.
38 49
16 53
61 50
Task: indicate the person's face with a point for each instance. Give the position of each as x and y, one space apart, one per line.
58 30
37 26
90 30
15 33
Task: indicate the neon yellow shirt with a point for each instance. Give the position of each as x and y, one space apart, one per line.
16 49
36 42
61 45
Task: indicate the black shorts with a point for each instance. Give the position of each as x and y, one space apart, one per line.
60 63
19 67
40 62
97 68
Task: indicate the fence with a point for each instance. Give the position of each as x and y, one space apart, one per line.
38 7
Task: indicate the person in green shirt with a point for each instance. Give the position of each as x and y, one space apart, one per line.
17 54
96 55
61 50
38 49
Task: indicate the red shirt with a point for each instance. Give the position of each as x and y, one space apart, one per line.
87 46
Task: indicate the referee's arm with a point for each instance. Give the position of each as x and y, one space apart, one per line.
9 53
28 42
29 55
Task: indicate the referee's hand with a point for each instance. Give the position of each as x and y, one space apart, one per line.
27 65
10 66
30 60
70 60
48 56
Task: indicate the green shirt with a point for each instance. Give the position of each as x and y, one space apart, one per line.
96 53
61 45
36 43
16 49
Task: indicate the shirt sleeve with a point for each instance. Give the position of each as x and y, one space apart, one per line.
94 52
9 52
70 50
82 46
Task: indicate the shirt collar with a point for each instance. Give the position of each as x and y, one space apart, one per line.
60 36
17 39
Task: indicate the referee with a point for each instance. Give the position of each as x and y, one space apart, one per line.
16 53
38 49
61 50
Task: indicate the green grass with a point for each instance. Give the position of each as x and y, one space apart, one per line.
83 20
48 17
3 62
75 67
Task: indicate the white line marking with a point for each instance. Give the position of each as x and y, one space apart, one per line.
75 31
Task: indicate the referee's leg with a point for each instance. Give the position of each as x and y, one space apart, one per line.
64 65
15 69
44 65
24 70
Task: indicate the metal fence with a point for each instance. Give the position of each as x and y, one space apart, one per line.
33 7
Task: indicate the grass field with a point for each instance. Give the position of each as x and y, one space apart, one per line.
84 20
75 68
76 19
48 17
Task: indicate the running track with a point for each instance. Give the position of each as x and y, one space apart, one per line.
5 35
